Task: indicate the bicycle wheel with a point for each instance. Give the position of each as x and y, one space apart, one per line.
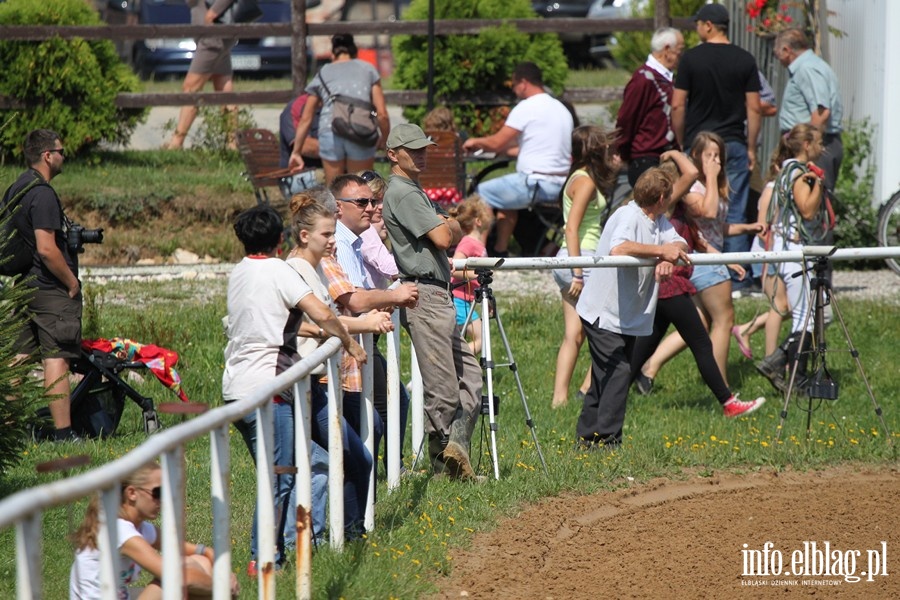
889 229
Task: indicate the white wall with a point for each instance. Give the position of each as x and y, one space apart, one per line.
867 63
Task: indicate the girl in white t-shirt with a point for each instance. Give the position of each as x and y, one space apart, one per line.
138 543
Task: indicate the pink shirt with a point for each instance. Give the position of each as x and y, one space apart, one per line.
379 262
469 247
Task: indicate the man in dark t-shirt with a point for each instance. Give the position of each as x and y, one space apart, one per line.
717 89
53 326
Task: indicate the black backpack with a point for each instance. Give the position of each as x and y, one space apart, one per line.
16 254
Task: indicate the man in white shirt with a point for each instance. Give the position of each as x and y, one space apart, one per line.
618 304
538 132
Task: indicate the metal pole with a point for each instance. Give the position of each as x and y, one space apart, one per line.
430 103
335 456
366 428
220 473
303 483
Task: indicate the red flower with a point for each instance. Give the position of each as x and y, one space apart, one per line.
767 22
788 19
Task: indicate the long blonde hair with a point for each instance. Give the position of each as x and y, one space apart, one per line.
86 534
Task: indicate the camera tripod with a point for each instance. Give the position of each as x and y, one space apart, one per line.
484 296
820 385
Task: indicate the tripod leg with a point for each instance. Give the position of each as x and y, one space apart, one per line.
512 365
855 354
487 363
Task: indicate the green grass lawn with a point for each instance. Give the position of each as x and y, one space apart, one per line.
677 430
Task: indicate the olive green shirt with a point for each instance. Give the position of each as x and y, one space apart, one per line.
408 216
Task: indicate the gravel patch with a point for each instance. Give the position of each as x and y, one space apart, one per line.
880 284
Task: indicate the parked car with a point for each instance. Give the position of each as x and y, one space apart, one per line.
575 45
161 57
600 46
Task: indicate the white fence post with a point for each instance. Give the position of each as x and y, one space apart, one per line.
265 500
303 486
335 457
172 523
220 473
366 425
392 427
108 541
28 554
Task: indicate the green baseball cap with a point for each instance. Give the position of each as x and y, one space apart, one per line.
407 135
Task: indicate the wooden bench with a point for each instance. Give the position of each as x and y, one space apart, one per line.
261 153
445 169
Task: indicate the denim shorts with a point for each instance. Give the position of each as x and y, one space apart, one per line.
563 277
462 310
519 190
334 148
706 276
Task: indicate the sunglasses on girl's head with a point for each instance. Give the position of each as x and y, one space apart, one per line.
368 176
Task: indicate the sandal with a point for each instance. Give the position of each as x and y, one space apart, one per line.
745 349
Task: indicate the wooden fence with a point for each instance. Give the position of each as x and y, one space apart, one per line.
299 30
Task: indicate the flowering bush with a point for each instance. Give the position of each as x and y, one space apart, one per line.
769 16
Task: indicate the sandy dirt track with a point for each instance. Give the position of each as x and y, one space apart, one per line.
685 539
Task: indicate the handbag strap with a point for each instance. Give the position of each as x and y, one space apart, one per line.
324 85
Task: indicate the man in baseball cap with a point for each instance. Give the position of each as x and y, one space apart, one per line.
421 233
713 13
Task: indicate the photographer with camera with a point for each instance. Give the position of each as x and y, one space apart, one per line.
52 328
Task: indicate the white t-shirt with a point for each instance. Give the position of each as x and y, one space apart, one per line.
262 316
84 579
545 135
623 299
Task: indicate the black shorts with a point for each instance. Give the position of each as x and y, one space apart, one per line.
52 326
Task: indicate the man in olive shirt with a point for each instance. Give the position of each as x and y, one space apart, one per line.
420 237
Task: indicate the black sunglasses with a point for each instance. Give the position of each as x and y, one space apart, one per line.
368 176
62 151
363 202
155 493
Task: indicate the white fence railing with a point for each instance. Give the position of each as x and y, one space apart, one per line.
25 508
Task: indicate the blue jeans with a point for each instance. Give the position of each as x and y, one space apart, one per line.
284 489
357 462
519 190
737 169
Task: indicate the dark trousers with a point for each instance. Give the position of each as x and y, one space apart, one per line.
603 412
681 312
637 166
831 158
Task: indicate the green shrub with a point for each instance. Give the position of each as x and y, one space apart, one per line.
466 65
857 218
216 129
68 86
632 47
19 392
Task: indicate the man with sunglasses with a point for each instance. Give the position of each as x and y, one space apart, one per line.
421 233
53 315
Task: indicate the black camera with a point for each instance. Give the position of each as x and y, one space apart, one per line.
77 236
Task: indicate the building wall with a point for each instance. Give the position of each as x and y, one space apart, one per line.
865 60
